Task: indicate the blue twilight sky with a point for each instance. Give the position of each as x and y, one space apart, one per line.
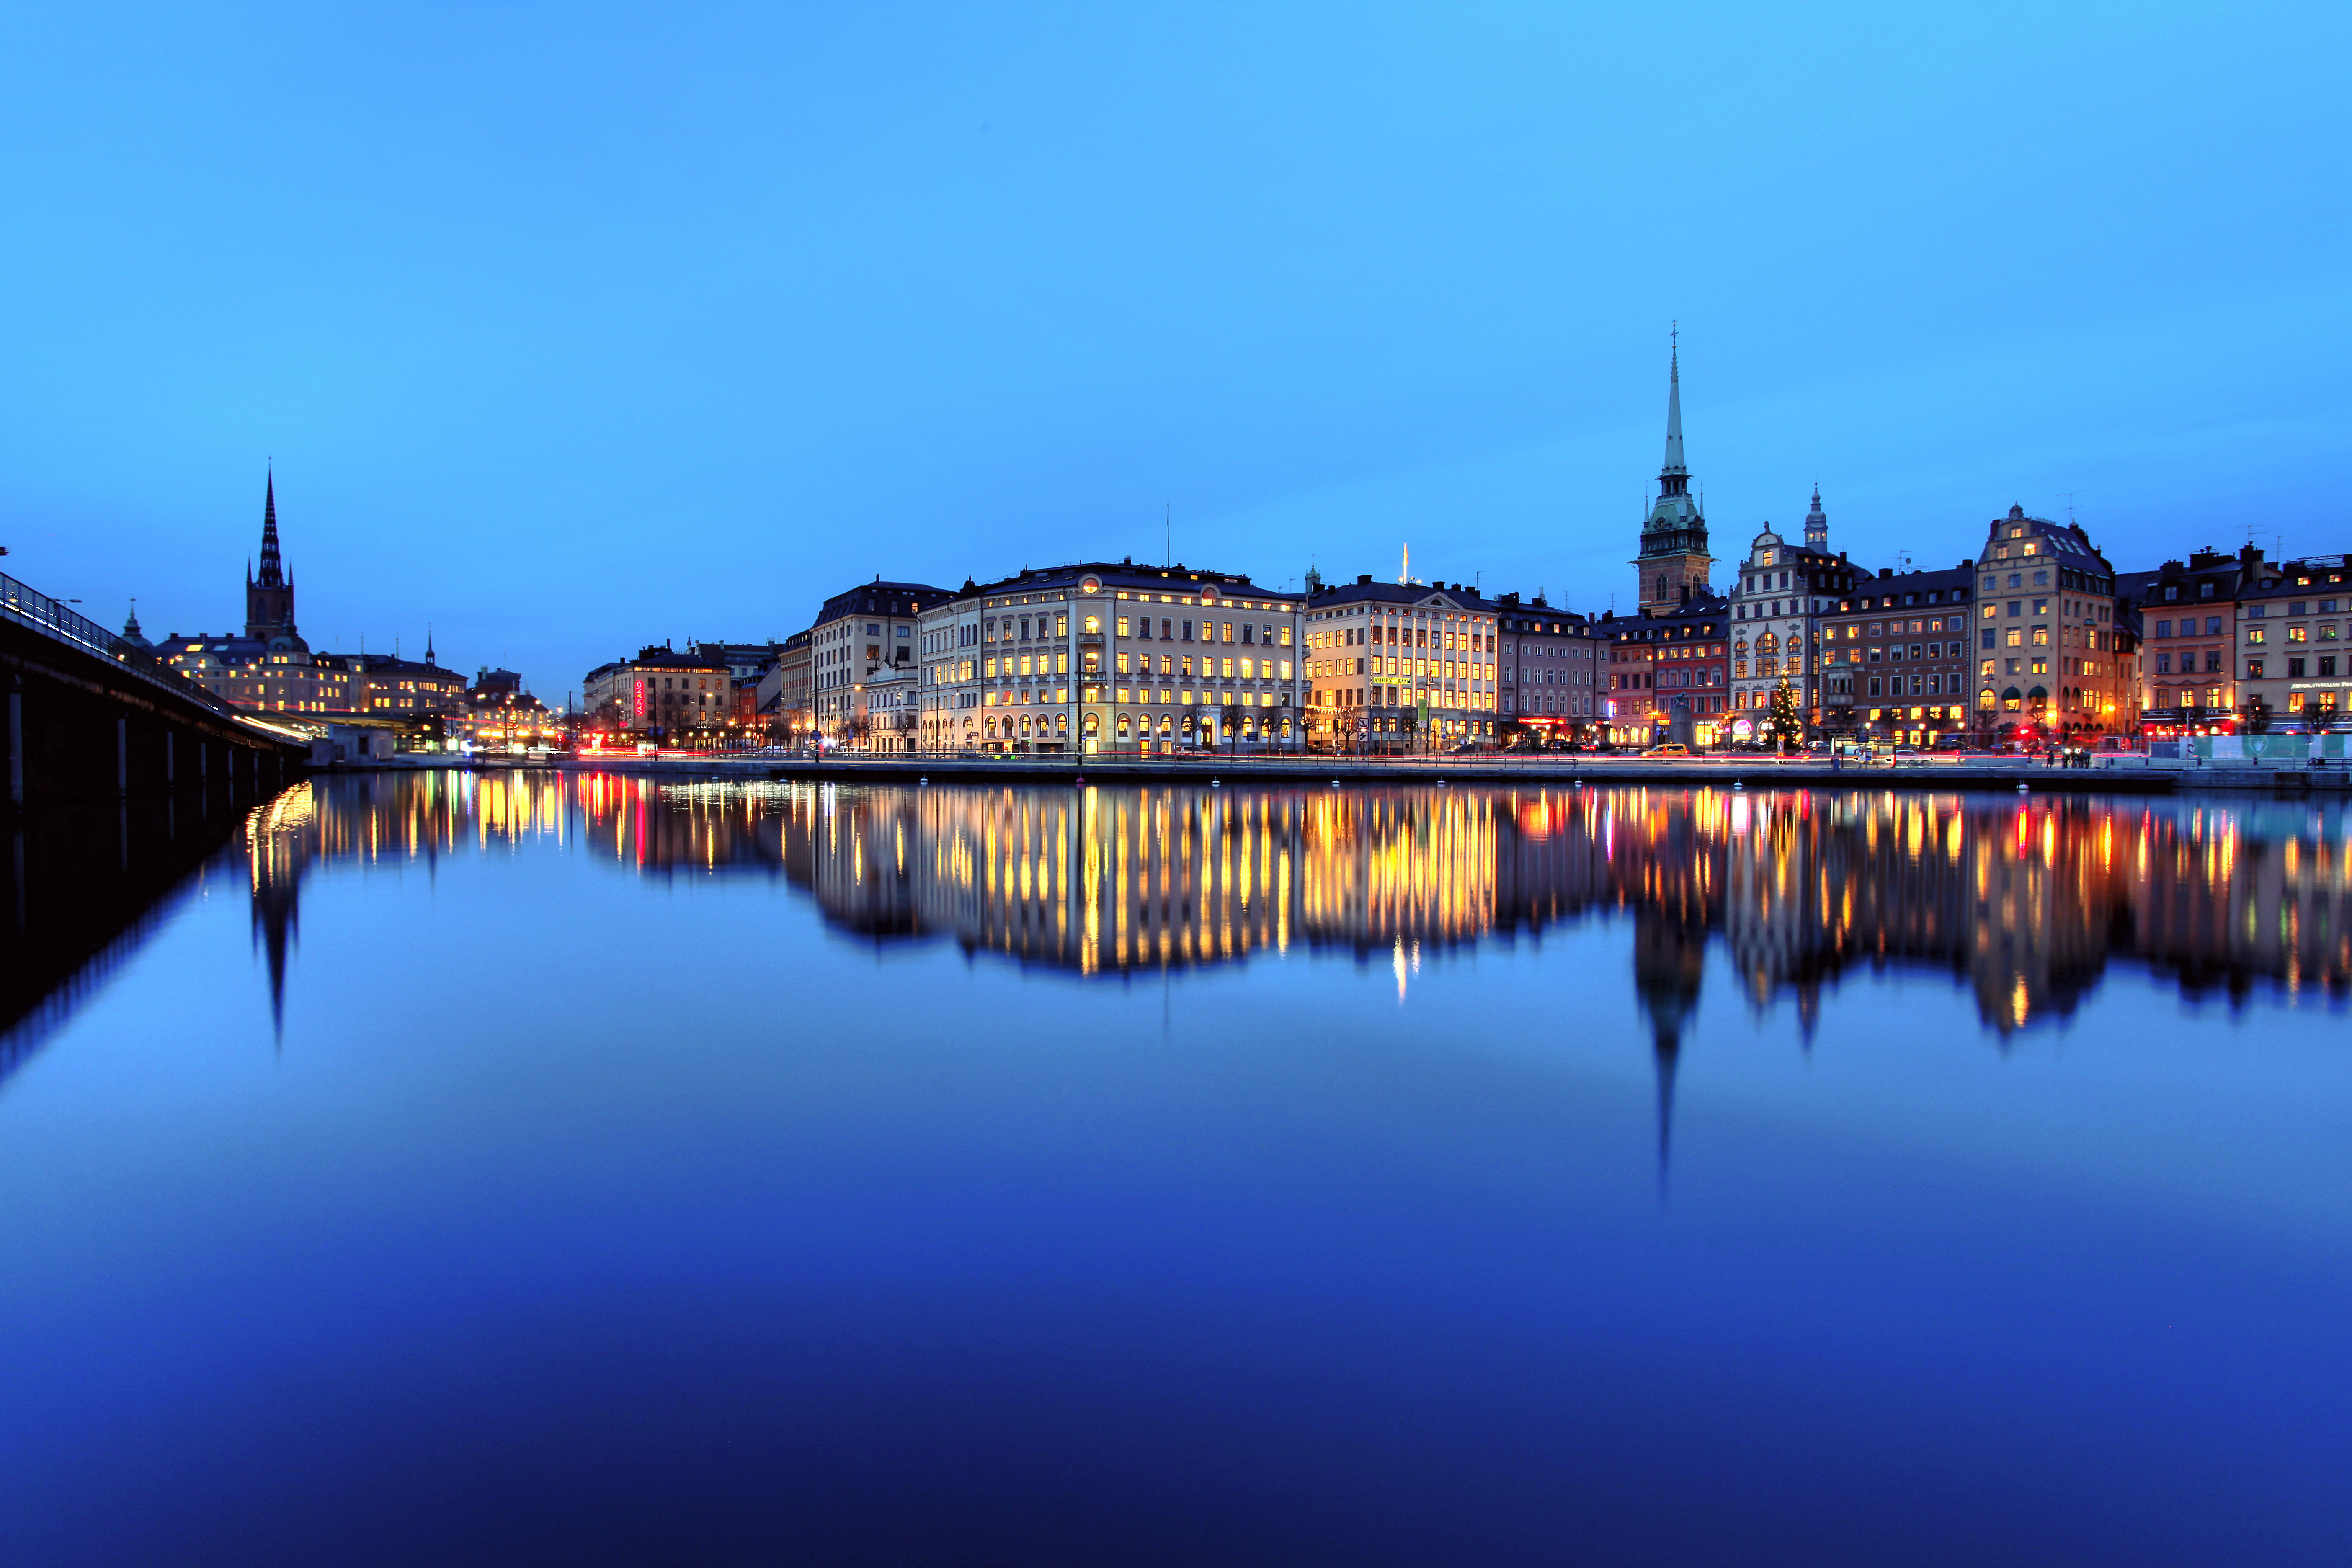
570 328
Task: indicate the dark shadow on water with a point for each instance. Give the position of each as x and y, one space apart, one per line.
89 883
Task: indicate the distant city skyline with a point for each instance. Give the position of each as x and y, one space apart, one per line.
563 338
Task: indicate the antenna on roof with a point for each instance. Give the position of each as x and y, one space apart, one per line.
1167 532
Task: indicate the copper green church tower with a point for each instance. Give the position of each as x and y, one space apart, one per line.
1674 563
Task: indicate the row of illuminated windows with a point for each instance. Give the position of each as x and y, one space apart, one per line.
1443 669
1433 636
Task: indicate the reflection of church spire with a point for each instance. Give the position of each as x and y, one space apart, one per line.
278 851
1669 959
274 925
1668 1051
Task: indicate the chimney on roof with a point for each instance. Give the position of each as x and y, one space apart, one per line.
1363 579
1886 571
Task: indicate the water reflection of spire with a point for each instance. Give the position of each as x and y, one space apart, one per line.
277 852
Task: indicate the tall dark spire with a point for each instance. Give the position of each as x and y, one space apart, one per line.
273 573
1673 463
270 595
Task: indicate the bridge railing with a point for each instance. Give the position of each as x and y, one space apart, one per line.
30 608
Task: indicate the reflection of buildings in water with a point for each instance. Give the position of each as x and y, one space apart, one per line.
1099 879
2024 901
2279 914
375 820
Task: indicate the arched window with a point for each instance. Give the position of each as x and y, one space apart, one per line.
1092 626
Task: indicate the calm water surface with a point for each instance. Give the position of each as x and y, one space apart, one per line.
594 1170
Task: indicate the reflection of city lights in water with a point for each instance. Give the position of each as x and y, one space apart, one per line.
2024 904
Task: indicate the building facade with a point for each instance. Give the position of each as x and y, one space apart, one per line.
1896 657
1095 656
1398 665
2291 620
2049 662
783 700
870 631
661 696
1548 668
1669 676
1777 601
393 687
2184 615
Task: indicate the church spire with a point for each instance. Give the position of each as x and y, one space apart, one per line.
1673 463
1675 561
1817 524
273 573
269 593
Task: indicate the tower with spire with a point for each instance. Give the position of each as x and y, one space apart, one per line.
1817 525
270 595
1673 563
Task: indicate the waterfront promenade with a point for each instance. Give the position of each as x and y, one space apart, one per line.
2106 775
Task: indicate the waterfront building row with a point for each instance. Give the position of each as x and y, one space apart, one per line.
2037 636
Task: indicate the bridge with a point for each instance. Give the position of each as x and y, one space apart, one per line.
123 780
93 717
